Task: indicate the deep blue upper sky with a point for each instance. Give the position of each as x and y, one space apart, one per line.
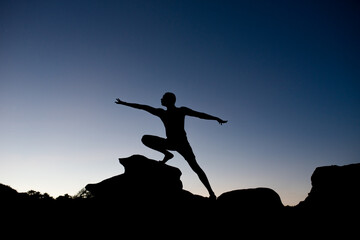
284 73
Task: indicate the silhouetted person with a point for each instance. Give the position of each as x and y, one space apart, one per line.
174 122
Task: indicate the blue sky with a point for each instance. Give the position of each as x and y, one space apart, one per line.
284 73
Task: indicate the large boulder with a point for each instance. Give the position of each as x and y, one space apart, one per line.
250 200
334 188
143 179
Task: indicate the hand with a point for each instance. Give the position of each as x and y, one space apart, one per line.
118 101
221 121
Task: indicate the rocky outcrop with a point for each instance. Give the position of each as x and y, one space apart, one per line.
7 193
255 199
148 180
334 188
150 194
147 183
143 180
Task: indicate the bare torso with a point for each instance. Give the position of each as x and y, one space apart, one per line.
174 122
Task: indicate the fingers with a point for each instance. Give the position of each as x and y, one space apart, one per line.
221 122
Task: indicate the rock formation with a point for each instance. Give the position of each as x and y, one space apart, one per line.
150 194
255 199
7 193
144 180
334 188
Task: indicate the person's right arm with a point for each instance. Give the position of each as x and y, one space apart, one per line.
154 111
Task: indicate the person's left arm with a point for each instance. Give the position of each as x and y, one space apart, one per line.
202 115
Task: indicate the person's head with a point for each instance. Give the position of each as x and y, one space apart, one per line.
168 99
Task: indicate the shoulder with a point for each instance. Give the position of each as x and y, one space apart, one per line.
185 110
155 111
159 111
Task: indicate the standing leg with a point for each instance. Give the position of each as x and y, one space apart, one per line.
189 156
158 144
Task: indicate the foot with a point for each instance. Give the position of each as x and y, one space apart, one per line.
167 157
212 196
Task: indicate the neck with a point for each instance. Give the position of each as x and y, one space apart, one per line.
170 107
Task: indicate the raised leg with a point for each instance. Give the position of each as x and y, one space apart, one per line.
158 144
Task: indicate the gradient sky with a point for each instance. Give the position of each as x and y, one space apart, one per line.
286 74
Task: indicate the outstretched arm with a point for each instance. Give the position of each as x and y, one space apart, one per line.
201 115
147 108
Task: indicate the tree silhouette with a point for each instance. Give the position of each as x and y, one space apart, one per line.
38 196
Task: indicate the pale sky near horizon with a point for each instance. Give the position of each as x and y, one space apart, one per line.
285 74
